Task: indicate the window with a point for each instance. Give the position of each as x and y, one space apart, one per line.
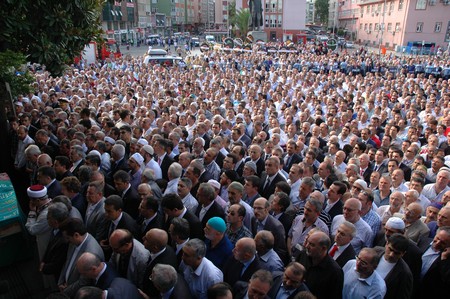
391 6
447 34
389 27
437 27
370 27
368 9
280 20
360 26
397 27
421 4
365 27
419 27
377 27
400 4
379 8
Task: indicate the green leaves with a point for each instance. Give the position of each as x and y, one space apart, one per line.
49 32
322 10
13 71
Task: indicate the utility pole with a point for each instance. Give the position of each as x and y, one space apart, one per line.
382 29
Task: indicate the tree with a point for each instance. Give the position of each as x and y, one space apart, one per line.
49 32
322 10
232 13
14 71
241 21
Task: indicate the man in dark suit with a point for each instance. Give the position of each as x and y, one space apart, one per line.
161 156
243 263
239 151
265 221
173 207
219 159
342 250
95 220
46 144
258 286
80 241
380 163
155 241
119 162
278 206
208 207
399 279
255 152
116 219
291 156
290 282
56 252
334 205
149 217
47 177
321 267
413 254
169 283
119 288
76 156
97 272
122 288
129 257
129 195
270 177
436 266
365 167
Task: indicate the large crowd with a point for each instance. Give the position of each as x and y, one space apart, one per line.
243 174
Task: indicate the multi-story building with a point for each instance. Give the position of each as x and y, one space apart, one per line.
120 21
207 14
283 19
347 15
310 11
332 14
221 15
395 23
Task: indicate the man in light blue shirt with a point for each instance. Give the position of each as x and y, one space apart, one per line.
200 273
360 278
268 258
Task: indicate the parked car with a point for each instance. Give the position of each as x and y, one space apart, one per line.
195 42
349 44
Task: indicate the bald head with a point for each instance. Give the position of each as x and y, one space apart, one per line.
44 160
89 265
352 207
156 240
413 212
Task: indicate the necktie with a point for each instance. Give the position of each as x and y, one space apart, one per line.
112 227
267 184
333 250
159 161
361 172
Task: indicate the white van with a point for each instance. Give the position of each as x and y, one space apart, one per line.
167 61
157 52
210 39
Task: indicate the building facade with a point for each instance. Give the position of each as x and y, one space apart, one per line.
392 24
283 19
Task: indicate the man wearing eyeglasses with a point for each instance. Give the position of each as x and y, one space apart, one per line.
360 278
352 209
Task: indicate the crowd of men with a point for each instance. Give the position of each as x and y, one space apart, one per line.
252 176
